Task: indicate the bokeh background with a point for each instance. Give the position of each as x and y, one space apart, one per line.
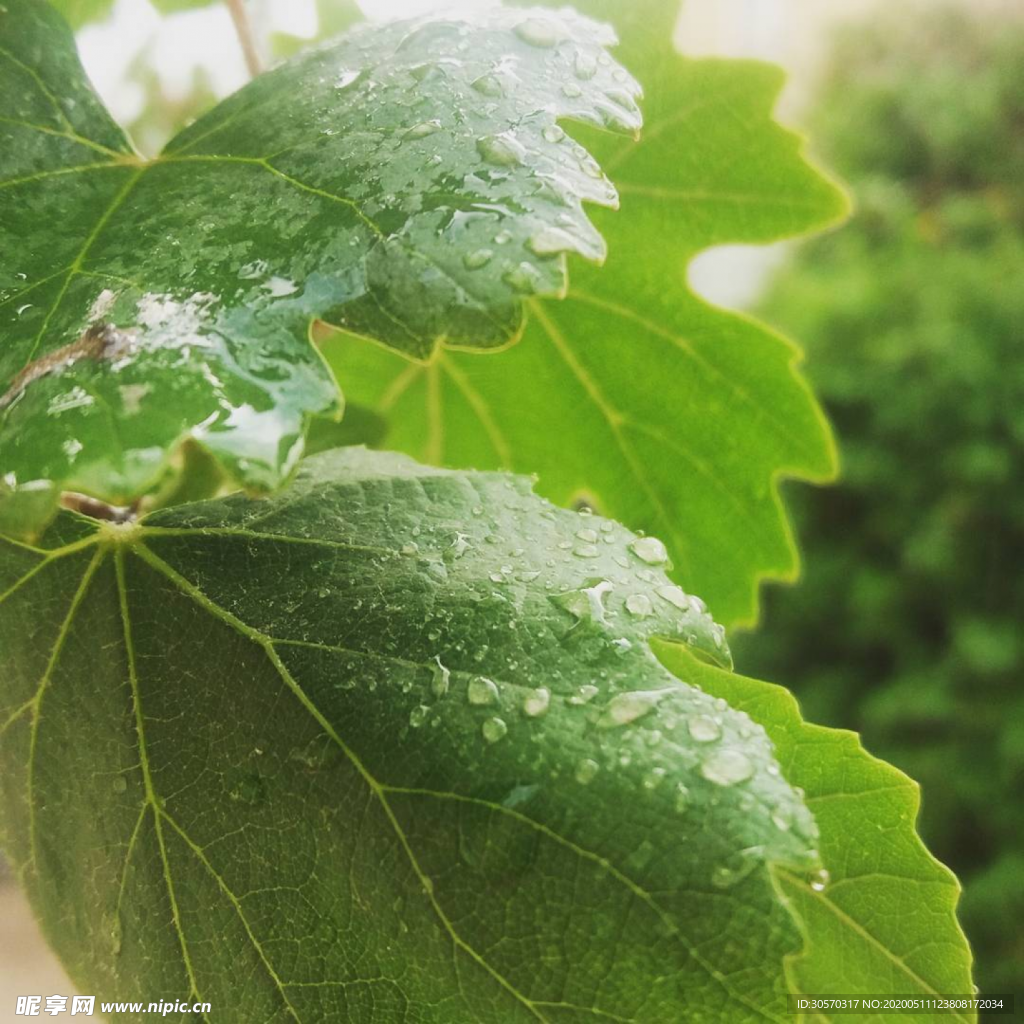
908 622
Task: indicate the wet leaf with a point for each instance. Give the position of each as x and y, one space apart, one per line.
405 182
885 921
673 416
396 737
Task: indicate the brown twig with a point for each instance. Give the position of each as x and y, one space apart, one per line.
246 37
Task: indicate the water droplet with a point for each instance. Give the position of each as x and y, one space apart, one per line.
442 677
478 258
586 551
120 784
737 867
460 545
624 708
538 32
675 596
21 309
654 778
494 729
584 695
586 770
418 715
585 66
503 238
536 702
553 133
423 129
590 167
704 729
650 550
548 242
524 278
782 818
345 79
621 645
588 535
819 880
482 690
572 90
488 85
727 767
683 798
411 548
502 150
639 605
586 604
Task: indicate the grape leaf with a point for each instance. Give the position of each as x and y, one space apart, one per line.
887 922
393 738
145 302
670 415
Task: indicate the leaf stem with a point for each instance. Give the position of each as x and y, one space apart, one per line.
246 36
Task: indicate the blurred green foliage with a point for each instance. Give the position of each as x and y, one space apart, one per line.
908 623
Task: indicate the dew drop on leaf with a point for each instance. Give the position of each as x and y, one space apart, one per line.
737 867
819 880
482 690
624 708
488 85
572 90
442 677
418 715
494 729
727 767
553 133
537 702
584 695
585 66
683 798
423 129
650 550
477 258
639 605
703 728
586 770
538 32
501 150
675 596
524 278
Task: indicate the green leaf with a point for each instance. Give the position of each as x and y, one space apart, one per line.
633 394
886 922
149 302
395 737
81 12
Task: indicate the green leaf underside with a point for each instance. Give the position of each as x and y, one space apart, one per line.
887 920
365 182
667 414
301 779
